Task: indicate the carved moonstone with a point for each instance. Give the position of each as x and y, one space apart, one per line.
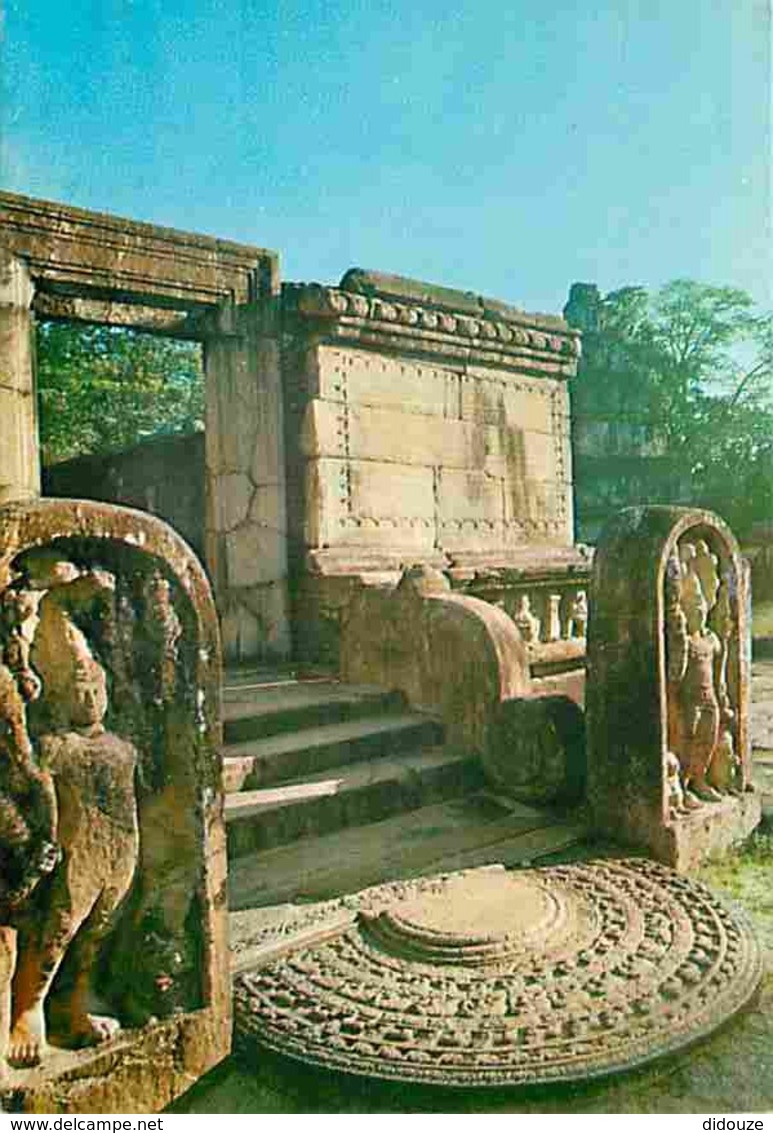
668 685
490 978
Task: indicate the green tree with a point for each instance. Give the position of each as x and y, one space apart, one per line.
104 388
689 370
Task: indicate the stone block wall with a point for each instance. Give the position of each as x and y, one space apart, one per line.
424 425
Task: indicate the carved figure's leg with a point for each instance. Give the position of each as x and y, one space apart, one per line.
7 962
703 735
71 1021
41 951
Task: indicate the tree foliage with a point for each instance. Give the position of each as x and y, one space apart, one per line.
692 366
102 388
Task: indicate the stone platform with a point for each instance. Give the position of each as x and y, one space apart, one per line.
488 977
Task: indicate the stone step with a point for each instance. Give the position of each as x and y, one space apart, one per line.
302 753
254 710
355 794
453 834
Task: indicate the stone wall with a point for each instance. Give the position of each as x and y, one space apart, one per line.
424 426
164 476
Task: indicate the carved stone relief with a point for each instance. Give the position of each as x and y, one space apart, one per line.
107 777
490 978
668 685
700 633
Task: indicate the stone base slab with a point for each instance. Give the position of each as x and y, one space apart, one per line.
713 829
140 1071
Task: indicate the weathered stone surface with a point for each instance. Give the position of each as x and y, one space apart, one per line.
668 685
19 461
370 504
363 377
266 604
422 431
97 253
246 510
116 883
455 654
536 750
488 978
233 503
254 555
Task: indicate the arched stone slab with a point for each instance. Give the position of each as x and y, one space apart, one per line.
668 685
109 657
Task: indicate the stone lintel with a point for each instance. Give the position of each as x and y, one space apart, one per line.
90 253
496 336
155 320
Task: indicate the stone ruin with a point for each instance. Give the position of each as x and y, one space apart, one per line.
114 985
668 685
389 491
430 426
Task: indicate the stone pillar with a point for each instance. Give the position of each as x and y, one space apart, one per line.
246 537
19 460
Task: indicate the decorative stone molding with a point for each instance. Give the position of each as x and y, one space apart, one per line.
504 336
487 978
94 254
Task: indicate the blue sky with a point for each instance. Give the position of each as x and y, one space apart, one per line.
502 147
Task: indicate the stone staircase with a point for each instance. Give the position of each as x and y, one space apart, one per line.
330 787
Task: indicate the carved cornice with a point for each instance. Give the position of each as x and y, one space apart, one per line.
497 336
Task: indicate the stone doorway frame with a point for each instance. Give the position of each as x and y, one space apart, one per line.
60 262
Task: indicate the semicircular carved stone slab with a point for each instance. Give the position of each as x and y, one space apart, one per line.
112 856
490 978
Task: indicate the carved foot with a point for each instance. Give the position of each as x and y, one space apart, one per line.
691 802
27 1040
